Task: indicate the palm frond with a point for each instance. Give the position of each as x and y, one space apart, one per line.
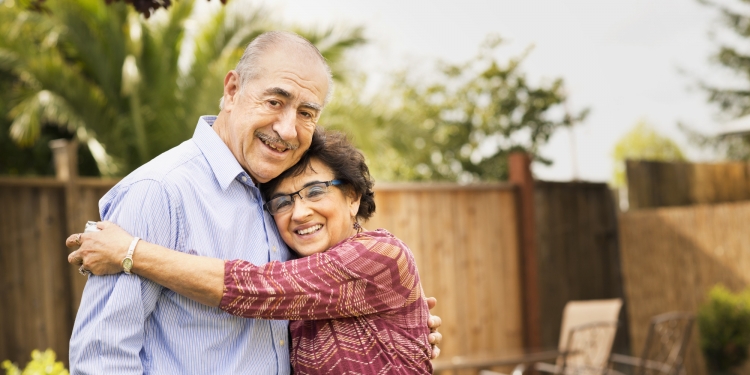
43 106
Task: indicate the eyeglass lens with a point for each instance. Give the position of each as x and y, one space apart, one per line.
284 203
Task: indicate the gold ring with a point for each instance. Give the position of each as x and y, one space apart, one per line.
83 271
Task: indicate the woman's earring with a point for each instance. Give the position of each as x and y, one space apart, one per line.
357 226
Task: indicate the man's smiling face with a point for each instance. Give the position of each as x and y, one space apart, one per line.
270 122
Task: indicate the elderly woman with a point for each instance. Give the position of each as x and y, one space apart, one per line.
354 297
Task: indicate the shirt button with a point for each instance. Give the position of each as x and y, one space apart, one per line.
244 178
274 249
281 342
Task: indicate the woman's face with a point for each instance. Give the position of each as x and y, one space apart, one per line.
314 227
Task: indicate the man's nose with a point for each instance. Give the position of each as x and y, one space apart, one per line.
286 126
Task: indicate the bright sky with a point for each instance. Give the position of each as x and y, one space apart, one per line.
621 58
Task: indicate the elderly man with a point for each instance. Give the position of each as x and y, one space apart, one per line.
203 195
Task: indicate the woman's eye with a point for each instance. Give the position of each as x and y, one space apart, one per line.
315 191
281 203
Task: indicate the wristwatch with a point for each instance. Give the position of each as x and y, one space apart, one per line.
127 263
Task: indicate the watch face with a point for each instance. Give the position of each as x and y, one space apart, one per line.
127 263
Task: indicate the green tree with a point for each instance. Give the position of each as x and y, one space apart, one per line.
459 127
642 143
734 57
121 83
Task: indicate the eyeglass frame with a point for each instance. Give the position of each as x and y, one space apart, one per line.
267 205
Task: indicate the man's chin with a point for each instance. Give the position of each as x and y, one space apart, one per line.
267 172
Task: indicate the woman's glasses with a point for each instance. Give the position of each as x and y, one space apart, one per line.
311 193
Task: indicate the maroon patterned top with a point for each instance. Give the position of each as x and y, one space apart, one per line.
357 308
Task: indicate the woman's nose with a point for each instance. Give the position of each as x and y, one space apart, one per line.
301 209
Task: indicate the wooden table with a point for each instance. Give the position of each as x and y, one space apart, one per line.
508 358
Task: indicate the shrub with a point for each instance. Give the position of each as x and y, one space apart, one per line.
724 324
41 364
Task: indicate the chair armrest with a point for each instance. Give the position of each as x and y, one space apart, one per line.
539 366
546 367
625 359
638 362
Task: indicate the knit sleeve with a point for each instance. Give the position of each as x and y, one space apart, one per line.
360 276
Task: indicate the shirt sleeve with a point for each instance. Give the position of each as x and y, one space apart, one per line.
361 277
109 330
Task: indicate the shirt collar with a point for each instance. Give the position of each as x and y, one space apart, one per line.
220 158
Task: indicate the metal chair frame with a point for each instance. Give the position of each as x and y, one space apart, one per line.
666 343
585 353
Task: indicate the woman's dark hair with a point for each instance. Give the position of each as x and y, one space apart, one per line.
347 163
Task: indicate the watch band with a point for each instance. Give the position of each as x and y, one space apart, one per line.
127 263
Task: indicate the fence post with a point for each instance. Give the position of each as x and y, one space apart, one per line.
520 175
65 154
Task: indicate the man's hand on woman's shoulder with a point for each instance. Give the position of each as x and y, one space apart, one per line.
434 323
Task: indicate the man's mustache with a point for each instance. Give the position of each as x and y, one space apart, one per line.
272 139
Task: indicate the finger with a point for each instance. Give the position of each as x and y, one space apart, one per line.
434 322
435 338
431 302
435 352
75 259
102 224
72 241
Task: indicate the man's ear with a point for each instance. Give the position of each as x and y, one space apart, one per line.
231 89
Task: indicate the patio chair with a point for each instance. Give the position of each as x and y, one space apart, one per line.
666 343
586 338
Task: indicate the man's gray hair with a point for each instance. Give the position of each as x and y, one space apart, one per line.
248 67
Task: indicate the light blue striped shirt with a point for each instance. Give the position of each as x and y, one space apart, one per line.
195 198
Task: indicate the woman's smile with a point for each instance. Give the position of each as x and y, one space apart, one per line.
309 230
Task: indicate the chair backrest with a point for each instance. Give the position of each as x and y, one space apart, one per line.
588 320
666 343
578 313
588 349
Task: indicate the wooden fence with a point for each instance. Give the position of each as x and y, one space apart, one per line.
577 252
40 291
658 184
672 257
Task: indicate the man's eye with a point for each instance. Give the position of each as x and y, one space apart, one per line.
307 115
274 103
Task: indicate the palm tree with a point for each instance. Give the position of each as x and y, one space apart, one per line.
128 87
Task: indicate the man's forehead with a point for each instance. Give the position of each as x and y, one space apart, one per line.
299 66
